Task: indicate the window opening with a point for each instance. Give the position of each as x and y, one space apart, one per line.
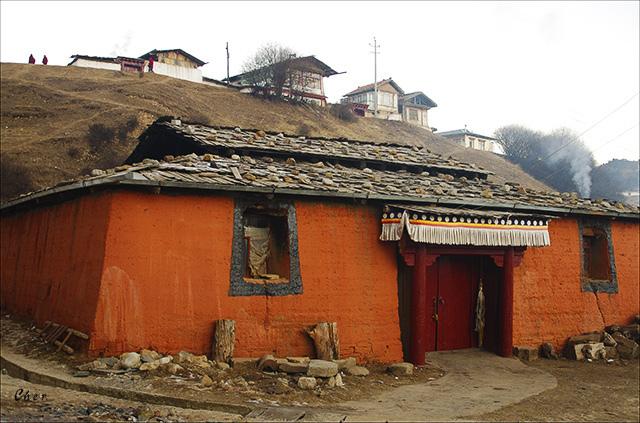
266 242
595 250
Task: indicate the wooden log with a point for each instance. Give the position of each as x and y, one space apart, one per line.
224 340
325 339
65 348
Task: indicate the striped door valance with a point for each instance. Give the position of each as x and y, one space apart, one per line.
451 226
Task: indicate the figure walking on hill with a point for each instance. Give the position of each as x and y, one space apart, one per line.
32 60
45 60
151 64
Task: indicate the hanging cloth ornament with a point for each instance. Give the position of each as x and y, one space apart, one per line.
480 314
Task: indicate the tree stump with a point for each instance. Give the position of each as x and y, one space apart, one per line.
325 339
224 340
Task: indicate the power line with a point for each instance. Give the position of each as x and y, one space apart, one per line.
591 127
546 178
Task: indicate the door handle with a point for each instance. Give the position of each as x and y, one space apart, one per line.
435 317
441 300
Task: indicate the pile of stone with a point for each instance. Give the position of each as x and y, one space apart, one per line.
149 360
311 372
615 342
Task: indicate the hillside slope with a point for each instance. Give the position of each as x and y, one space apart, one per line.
61 122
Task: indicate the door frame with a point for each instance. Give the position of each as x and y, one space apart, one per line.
420 256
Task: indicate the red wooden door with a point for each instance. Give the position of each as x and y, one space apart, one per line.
455 302
451 287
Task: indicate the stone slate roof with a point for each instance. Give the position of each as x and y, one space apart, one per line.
273 170
201 139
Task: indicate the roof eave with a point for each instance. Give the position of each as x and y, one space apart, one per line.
135 179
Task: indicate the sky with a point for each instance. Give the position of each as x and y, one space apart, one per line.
543 65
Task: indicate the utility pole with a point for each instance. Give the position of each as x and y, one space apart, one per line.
228 82
375 75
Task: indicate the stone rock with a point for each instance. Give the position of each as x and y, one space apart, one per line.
345 363
109 361
304 360
289 367
148 356
223 366
165 360
585 351
173 368
631 331
608 340
586 338
547 351
149 366
97 172
206 381
183 357
268 363
241 382
331 382
401 369
339 381
594 351
130 360
81 373
526 353
611 352
307 382
322 368
358 371
613 329
627 348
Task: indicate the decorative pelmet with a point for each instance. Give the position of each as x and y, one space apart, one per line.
443 226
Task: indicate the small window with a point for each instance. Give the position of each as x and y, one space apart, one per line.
413 114
264 256
595 250
598 265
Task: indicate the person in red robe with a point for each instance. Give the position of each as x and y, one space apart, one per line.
32 60
150 63
45 60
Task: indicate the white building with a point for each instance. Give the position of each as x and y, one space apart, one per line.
389 94
175 63
470 139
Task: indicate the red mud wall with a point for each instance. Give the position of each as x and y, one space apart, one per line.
549 305
167 269
52 260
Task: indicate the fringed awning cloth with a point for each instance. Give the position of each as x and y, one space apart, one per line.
457 228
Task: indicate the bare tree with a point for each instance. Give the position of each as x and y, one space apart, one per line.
273 71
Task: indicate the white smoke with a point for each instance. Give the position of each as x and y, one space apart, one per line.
563 145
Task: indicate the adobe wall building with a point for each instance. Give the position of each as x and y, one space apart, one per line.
280 232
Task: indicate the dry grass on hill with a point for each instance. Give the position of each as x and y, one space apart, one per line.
61 122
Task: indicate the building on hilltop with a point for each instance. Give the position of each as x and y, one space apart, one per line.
389 94
393 103
175 63
304 79
474 140
414 108
279 232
